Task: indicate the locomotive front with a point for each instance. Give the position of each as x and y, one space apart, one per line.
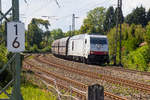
98 49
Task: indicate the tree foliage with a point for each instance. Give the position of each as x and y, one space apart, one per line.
148 16
138 59
110 21
3 49
147 37
57 34
37 34
134 56
5 75
138 16
3 55
94 22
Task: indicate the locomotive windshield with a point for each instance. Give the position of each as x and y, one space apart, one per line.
95 40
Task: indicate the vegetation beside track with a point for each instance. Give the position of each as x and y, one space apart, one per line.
32 91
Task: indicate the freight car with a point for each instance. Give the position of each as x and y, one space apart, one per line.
86 48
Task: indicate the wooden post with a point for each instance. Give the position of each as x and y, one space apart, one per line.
95 92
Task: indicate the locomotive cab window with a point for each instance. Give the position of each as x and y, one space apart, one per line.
85 41
94 40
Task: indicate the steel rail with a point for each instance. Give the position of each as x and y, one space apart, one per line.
107 94
110 79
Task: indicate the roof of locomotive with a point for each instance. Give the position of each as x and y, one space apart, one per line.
91 35
96 35
81 36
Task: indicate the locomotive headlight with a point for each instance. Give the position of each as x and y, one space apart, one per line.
91 52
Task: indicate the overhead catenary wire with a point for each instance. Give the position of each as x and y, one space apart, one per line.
39 8
79 9
88 7
85 10
82 10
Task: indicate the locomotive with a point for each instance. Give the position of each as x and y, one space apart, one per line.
87 48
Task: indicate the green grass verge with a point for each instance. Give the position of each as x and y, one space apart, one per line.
33 92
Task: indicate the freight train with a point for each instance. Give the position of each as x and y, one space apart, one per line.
84 47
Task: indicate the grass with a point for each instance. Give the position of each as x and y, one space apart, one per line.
30 57
32 92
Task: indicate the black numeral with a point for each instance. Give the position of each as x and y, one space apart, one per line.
16 29
16 44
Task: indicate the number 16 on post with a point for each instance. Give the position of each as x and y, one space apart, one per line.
15 36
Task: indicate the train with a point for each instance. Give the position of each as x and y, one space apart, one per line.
87 48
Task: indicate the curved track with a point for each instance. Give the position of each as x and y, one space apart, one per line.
110 79
81 86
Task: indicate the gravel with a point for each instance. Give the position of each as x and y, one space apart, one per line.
123 91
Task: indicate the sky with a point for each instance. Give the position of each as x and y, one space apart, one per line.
61 17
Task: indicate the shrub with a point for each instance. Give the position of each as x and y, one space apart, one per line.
137 59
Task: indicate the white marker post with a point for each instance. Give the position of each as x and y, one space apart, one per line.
15 36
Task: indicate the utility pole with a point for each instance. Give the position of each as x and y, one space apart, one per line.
16 91
69 30
69 27
15 62
15 10
118 24
0 21
1 11
73 23
120 47
116 38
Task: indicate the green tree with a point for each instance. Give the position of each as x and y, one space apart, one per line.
57 34
109 22
137 59
68 33
132 37
147 37
129 19
138 16
37 33
94 22
148 16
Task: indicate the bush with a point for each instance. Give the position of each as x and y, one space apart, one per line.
3 55
137 59
148 69
46 49
5 76
34 49
32 92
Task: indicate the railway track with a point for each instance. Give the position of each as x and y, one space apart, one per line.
117 68
81 86
129 70
135 85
